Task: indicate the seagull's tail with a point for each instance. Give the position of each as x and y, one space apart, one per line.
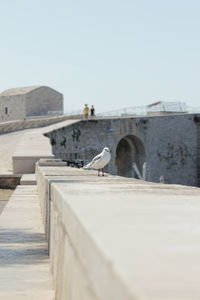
88 166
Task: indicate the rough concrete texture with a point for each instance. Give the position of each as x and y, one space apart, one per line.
28 179
168 145
118 238
24 262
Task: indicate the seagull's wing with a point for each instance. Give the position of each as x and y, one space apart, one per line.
94 161
96 158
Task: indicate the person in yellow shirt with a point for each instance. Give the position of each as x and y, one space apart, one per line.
86 111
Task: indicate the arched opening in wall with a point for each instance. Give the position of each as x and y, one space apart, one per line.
130 157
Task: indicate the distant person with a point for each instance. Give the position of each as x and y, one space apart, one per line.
92 112
86 111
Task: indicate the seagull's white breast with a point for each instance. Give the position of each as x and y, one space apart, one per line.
103 160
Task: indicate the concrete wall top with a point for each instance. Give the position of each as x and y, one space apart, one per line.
136 239
11 126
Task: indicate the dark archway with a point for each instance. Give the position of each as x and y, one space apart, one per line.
130 157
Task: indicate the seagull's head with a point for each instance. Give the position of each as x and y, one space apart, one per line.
106 149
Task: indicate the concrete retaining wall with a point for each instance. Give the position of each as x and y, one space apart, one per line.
119 238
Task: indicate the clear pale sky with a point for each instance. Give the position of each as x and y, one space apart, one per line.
110 53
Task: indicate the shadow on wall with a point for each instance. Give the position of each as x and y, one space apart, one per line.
130 157
23 255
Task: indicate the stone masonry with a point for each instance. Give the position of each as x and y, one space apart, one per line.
159 145
197 120
19 103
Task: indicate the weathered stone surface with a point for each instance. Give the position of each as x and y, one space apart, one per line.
120 238
19 103
160 145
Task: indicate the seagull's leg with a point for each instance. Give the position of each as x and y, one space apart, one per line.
102 171
98 172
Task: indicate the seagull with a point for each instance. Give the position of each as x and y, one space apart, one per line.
100 161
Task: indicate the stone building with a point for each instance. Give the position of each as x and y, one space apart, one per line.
160 146
19 103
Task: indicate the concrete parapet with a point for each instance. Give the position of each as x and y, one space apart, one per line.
28 179
51 162
25 164
118 238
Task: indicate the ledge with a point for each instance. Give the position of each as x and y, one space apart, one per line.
131 239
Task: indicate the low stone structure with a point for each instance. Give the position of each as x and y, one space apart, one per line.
19 103
119 238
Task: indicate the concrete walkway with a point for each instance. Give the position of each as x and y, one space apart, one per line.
32 146
25 143
8 144
24 263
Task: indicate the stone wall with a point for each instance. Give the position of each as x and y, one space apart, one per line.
197 121
42 101
12 108
86 139
173 149
160 145
17 104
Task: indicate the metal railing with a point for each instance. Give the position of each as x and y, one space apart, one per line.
161 108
